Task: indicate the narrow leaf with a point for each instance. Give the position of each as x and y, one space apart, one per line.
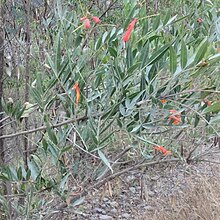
173 60
34 169
183 54
158 54
105 160
201 51
78 201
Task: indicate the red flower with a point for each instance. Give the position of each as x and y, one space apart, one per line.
175 117
87 23
96 19
76 87
163 101
162 150
129 30
207 102
199 20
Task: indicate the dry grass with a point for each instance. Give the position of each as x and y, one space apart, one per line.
199 201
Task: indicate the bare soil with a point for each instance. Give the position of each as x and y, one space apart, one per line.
161 192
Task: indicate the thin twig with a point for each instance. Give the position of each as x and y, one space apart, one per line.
109 7
4 119
210 161
121 154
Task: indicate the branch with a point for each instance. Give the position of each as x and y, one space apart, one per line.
4 119
109 8
137 166
42 128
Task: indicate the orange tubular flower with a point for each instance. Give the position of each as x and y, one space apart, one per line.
129 30
175 117
162 150
163 101
76 87
96 19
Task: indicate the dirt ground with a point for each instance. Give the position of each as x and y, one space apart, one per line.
160 192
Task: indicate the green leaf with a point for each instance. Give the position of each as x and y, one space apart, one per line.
183 54
54 151
145 55
167 17
105 160
135 99
12 173
51 64
58 52
19 173
215 119
197 119
159 53
156 23
28 174
78 40
78 201
51 134
63 182
112 51
103 141
35 171
171 20
133 68
29 108
129 57
104 37
214 108
98 43
201 51
173 60
65 149
129 17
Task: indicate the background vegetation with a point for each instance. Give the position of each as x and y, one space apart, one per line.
80 106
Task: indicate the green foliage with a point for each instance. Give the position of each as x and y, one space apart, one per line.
169 57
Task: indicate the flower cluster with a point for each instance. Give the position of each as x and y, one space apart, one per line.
87 21
175 117
162 150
